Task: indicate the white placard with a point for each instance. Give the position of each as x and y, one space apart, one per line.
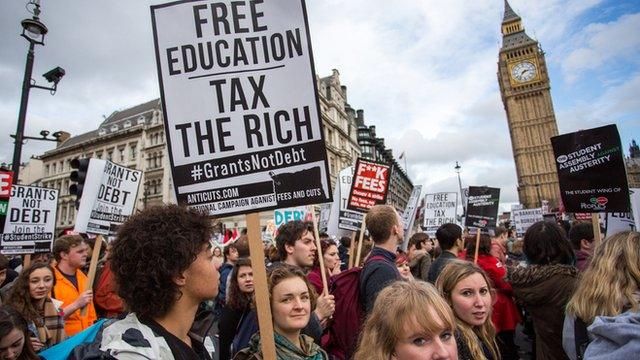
31 220
439 209
409 214
524 218
240 105
347 219
108 197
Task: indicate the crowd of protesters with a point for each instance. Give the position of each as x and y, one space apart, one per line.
164 290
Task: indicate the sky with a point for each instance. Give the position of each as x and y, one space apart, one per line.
424 72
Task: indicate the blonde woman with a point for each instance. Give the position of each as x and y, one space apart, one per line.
608 287
409 320
467 289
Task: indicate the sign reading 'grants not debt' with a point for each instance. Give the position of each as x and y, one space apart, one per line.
239 97
370 185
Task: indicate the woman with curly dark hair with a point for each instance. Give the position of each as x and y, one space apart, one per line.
30 297
240 296
162 262
14 336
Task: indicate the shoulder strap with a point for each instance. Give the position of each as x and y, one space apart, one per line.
581 337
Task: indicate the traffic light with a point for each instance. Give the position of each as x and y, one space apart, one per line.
78 176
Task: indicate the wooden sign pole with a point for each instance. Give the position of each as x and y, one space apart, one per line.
475 256
323 273
595 222
357 261
92 268
261 294
26 262
352 249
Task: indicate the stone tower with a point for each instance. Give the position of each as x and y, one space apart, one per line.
526 95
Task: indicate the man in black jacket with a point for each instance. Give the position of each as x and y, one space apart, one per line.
387 232
450 239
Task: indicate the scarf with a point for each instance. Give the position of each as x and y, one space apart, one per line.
286 350
51 325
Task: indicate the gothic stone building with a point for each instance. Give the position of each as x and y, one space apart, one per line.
526 95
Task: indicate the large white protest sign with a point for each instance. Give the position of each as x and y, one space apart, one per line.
524 218
108 198
347 219
439 209
241 114
30 220
409 214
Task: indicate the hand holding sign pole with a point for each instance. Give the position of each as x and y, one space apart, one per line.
316 234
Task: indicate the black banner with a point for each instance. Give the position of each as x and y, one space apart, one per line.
591 171
482 207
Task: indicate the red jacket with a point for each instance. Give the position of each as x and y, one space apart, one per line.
505 314
105 296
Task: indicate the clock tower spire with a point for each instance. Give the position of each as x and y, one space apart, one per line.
526 95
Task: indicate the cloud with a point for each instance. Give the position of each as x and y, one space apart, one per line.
600 43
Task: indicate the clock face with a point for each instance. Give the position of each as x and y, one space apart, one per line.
523 71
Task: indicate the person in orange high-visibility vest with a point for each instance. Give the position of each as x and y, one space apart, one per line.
70 252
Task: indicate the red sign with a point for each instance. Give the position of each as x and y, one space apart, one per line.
6 179
582 216
370 185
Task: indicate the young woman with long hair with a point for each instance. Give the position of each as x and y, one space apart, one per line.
505 314
545 285
292 301
14 336
30 297
240 297
331 257
402 263
467 289
409 320
608 287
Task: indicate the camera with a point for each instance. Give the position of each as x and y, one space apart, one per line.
54 75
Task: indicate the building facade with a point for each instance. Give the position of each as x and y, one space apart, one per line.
135 138
373 148
526 95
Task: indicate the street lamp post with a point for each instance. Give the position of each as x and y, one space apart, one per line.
33 30
464 208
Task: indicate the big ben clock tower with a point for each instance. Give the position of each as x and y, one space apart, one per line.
525 89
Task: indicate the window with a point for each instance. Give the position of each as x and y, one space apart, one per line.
102 131
127 124
53 168
110 155
99 154
133 151
121 151
141 120
46 170
114 127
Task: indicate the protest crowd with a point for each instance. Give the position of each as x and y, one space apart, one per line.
165 290
135 280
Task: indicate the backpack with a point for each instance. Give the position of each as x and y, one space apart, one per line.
348 316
